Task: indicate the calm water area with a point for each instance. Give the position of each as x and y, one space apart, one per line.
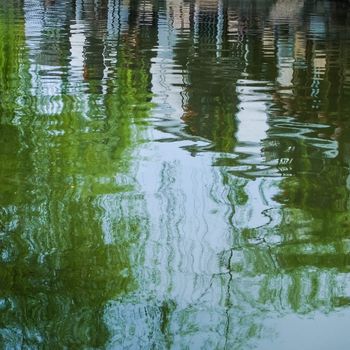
175 174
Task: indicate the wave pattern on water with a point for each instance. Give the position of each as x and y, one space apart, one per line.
174 174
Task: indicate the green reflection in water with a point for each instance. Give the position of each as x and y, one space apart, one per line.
174 174
60 154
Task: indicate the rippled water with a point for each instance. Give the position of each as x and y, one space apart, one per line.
174 174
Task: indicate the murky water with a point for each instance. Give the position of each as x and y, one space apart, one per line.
174 174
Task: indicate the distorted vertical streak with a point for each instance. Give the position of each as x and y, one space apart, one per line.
228 303
220 28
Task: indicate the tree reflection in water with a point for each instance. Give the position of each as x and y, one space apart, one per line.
174 173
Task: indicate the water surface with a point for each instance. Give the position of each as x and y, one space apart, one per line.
174 174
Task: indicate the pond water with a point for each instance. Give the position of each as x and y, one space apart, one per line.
175 174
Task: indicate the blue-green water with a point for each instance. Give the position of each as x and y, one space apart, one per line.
174 174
